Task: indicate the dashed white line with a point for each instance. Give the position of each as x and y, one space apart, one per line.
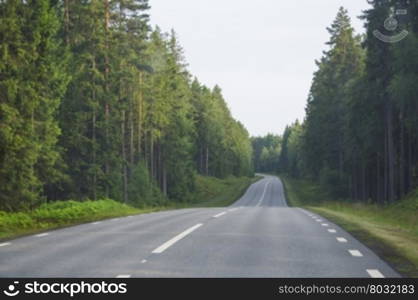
175 239
325 224
375 273
143 261
264 193
332 230
341 240
355 253
4 244
219 215
123 276
318 220
42 234
95 223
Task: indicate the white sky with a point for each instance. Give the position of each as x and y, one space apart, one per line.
261 53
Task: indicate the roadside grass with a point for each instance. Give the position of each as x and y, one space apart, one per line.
60 214
210 192
215 192
391 231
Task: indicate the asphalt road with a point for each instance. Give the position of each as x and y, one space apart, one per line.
258 236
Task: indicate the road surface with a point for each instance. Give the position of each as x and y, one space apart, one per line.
258 236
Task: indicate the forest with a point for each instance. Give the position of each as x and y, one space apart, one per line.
359 139
95 103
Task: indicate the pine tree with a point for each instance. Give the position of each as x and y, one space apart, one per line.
32 81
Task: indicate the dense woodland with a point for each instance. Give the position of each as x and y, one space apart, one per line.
266 151
94 103
360 135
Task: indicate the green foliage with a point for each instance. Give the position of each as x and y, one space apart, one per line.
143 191
359 139
215 192
266 151
32 82
95 104
60 213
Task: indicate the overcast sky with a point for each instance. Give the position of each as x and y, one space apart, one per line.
261 53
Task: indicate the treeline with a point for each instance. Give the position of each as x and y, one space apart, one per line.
360 135
266 151
97 104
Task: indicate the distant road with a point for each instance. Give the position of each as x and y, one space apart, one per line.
258 236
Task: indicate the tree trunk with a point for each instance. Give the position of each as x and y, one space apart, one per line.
391 154
164 180
207 161
140 116
131 140
201 164
409 164
379 194
124 161
94 137
363 181
67 21
402 156
106 102
151 155
385 169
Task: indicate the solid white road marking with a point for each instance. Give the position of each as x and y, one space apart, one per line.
325 224
264 193
355 253
175 239
332 230
42 234
219 215
123 276
143 261
4 244
375 274
341 240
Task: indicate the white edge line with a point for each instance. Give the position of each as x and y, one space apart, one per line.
95 223
123 276
175 239
355 253
42 234
375 273
220 214
4 244
341 240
